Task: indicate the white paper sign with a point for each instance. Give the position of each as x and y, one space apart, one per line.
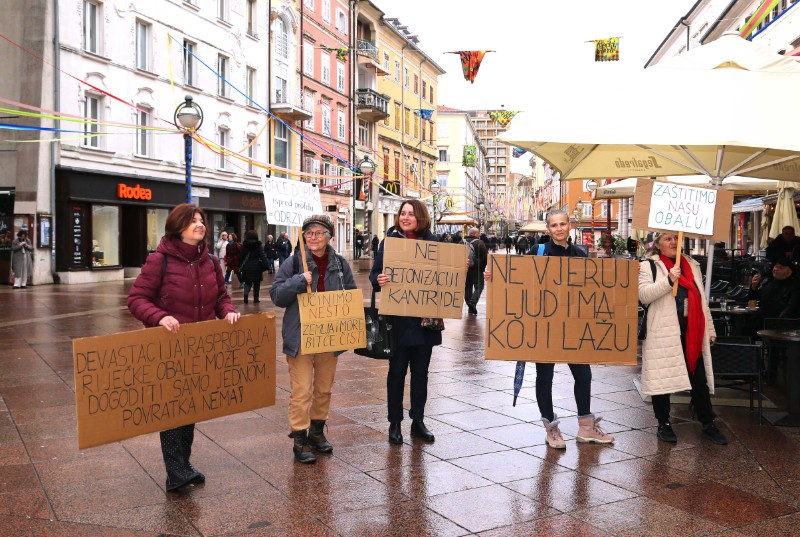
290 202
682 208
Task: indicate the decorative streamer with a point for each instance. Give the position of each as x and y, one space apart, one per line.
341 53
758 17
470 156
425 113
503 117
470 62
606 50
517 152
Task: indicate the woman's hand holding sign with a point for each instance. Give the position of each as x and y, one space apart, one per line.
383 279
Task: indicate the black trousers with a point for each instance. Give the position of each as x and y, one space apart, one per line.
473 287
256 286
419 358
176 447
700 395
581 373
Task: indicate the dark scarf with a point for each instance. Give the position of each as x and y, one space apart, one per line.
695 329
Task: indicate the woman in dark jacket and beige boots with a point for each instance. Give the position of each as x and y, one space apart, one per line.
252 263
181 283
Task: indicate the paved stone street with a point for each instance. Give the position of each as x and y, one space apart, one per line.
488 472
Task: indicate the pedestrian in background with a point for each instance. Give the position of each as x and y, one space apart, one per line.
21 259
375 243
269 251
222 243
181 283
676 356
414 343
232 259
311 375
284 248
253 263
474 281
359 243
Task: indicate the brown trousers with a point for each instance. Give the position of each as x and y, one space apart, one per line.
311 376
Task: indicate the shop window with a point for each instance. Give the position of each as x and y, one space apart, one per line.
156 221
105 235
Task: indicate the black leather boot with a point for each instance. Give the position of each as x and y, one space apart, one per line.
316 437
418 430
180 478
302 448
395 435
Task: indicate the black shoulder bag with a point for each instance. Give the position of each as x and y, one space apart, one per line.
381 342
641 333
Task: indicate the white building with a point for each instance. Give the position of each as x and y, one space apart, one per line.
126 66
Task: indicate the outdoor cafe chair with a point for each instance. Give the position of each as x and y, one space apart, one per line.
740 365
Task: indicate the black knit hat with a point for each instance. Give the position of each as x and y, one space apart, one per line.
319 220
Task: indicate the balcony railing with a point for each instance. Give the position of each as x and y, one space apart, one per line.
368 48
298 101
369 98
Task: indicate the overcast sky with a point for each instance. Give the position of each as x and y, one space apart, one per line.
537 42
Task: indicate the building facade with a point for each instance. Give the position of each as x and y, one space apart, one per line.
123 71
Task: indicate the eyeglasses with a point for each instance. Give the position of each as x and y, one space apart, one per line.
313 234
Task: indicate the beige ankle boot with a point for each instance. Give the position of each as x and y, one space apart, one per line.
590 431
554 438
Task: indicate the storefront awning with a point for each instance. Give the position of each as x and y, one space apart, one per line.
747 206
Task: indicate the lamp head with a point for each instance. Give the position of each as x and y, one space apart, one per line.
188 115
366 166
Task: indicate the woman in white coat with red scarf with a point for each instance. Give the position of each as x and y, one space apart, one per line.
676 355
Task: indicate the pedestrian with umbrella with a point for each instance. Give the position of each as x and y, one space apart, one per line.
589 429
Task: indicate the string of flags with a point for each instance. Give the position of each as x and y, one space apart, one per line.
503 117
606 50
470 62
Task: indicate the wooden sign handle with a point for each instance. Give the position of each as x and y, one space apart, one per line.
303 257
678 262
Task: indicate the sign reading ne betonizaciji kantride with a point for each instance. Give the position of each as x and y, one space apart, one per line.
290 202
682 208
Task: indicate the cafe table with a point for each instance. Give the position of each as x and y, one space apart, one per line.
790 340
735 319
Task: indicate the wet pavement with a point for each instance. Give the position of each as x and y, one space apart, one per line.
489 471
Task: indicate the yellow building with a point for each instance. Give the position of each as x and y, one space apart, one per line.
406 154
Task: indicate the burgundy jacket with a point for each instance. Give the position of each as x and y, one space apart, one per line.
192 290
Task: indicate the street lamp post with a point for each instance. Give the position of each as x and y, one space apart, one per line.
481 207
608 224
188 118
367 169
577 213
435 190
591 186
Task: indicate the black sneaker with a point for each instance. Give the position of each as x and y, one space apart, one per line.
666 433
711 432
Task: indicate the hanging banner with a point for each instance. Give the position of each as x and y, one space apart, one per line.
151 380
606 50
471 62
574 310
503 117
332 321
290 202
702 213
470 156
426 279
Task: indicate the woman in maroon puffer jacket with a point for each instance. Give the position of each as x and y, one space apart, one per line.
188 288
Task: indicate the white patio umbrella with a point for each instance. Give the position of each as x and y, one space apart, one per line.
534 226
686 118
785 211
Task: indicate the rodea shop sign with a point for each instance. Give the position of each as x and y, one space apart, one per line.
133 192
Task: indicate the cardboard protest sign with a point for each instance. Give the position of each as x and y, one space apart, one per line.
574 310
150 380
426 279
332 321
290 202
702 213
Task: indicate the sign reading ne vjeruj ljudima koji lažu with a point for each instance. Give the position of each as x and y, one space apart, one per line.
573 310
151 380
332 321
426 279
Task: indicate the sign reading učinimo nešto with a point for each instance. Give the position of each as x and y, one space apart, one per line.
290 202
151 380
574 310
682 208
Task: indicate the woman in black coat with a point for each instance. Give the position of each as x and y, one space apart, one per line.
271 253
414 343
252 263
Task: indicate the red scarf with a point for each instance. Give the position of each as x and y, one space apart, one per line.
696 326
410 235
